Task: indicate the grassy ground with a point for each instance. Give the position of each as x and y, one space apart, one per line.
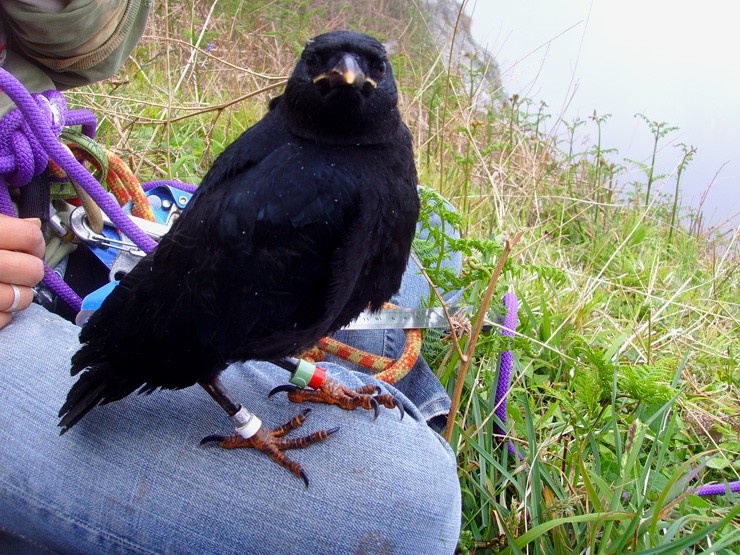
626 379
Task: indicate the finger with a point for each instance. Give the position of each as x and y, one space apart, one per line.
14 298
20 268
5 318
22 235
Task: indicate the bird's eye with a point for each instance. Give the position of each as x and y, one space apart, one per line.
311 60
377 68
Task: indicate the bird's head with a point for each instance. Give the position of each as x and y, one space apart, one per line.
342 87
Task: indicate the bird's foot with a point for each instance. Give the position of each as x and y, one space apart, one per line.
333 393
272 443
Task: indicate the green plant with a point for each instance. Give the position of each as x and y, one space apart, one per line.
659 129
688 154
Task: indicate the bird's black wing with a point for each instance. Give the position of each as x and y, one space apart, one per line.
291 251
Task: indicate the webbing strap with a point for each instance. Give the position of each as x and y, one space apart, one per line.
35 198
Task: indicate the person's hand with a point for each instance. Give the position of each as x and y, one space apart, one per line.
21 252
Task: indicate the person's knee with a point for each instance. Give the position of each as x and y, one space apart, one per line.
428 493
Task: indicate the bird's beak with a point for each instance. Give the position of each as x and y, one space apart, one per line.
349 72
346 72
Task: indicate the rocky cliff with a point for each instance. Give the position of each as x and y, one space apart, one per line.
451 29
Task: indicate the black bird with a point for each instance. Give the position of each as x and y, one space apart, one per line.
302 223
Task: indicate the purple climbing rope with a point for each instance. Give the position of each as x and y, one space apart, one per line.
40 127
54 282
187 187
717 489
29 138
506 362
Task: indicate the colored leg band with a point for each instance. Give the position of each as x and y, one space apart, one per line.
307 374
246 423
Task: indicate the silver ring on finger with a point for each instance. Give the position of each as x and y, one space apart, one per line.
16 299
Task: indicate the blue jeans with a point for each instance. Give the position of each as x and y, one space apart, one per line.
130 477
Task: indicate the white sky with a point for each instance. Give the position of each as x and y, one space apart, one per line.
674 61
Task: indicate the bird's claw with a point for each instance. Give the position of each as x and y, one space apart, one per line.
330 392
215 438
376 408
389 401
285 388
400 408
272 443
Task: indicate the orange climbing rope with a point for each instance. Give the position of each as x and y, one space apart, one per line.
108 169
387 369
120 180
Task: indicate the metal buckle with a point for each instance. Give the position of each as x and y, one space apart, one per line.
116 250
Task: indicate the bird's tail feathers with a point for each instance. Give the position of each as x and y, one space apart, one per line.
96 386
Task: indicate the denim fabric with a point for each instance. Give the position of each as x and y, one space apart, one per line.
130 477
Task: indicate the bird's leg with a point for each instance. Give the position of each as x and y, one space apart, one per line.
326 390
251 432
215 388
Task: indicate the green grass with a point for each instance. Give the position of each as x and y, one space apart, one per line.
626 378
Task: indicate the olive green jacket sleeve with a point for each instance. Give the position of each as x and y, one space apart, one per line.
59 44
